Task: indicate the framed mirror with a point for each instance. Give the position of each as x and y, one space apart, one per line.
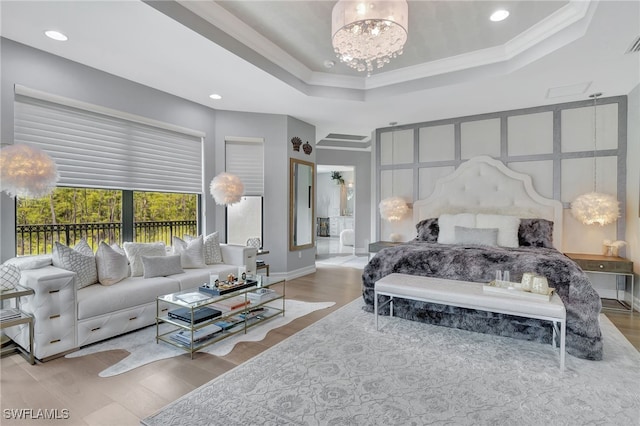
301 204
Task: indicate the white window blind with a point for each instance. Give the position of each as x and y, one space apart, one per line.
101 150
245 159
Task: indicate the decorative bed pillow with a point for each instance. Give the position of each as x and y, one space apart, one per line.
535 233
112 266
72 260
428 230
507 227
448 222
135 251
191 253
477 236
212 251
161 266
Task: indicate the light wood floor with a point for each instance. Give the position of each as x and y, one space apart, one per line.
73 383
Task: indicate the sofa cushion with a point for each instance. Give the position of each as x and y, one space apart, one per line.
112 265
193 278
135 251
134 291
83 265
161 266
191 253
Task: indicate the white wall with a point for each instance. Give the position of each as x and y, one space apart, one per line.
633 187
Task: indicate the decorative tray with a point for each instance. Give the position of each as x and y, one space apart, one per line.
225 287
515 290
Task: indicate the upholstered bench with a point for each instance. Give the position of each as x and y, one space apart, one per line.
470 295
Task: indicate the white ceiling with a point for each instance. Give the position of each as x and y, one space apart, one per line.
268 56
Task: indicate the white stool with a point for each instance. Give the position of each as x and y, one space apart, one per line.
347 237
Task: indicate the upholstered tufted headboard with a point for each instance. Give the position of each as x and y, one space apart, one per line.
486 185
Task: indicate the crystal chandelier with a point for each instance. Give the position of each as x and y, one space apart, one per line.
368 32
595 207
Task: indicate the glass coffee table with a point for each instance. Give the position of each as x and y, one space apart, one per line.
196 318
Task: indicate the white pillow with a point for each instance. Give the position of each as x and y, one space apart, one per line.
112 266
448 222
191 253
507 227
161 266
83 265
135 251
477 236
25 263
212 251
83 248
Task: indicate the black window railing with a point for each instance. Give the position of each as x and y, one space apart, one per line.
39 239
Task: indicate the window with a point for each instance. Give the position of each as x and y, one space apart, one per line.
244 157
70 214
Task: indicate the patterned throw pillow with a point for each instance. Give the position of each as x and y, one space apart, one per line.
83 248
112 266
9 277
135 251
212 251
428 230
84 266
191 253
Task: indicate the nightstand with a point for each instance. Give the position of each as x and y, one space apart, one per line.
261 264
612 265
379 245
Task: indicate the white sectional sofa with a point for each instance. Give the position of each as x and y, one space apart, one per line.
66 318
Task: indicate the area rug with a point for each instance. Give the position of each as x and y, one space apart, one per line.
351 261
143 349
341 371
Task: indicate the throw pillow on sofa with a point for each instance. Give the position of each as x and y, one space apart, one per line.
191 253
161 266
72 260
135 251
212 251
112 266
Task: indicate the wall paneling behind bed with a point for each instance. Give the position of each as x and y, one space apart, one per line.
553 144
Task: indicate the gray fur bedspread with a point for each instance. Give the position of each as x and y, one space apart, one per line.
478 264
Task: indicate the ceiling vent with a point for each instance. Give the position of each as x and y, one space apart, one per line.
635 46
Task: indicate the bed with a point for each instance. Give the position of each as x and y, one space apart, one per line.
481 218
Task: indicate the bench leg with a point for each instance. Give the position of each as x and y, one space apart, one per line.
375 307
563 336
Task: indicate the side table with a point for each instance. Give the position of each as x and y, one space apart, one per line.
11 317
379 245
611 265
262 265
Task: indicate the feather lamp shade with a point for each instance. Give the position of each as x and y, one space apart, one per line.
596 208
393 208
27 171
226 189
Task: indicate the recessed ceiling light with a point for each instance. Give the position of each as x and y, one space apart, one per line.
215 96
499 15
56 35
